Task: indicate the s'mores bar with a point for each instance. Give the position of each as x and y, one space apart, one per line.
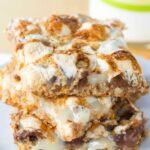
70 55
74 84
124 132
71 116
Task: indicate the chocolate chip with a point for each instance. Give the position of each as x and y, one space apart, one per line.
103 119
17 78
82 61
82 64
131 138
32 136
118 81
75 142
69 81
123 110
110 127
19 46
72 22
83 82
52 80
125 113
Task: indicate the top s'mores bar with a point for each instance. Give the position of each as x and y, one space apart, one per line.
71 55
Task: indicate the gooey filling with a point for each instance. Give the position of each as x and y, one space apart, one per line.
75 113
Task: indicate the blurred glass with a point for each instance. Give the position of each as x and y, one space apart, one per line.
134 13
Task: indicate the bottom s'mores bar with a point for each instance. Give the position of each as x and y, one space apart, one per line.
123 132
72 116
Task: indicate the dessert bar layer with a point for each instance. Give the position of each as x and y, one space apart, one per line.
71 55
32 133
73 116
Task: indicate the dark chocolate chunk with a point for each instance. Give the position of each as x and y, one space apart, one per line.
52 80
75 142
31 136
131 138
69 81
82 61
110 127
83 81
123 110
17 78
118 81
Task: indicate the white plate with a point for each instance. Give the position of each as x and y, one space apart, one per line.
6 135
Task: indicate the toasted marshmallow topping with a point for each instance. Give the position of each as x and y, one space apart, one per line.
104 66
34 51
81 114
64 52
111 46
67 63
30 123
33 73
65 30
86 25
88 50
128 71
33 37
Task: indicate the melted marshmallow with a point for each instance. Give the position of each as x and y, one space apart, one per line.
35 51
100 144
67 115
86 26
65 30
94 78
30 123
104 66
30 37
80 113
101 105
111 46
88 50
70 111
67 63
33 73
125 66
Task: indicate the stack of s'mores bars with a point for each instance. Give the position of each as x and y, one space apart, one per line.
74 84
